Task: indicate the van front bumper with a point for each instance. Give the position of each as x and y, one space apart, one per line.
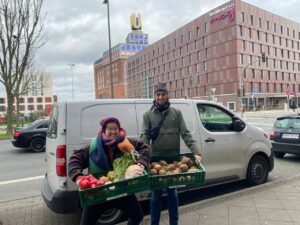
60 201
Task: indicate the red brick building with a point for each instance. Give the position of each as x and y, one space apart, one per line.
215 55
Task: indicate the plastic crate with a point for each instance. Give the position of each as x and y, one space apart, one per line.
118 189
178 180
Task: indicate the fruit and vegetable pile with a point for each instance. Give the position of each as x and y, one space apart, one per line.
113 185
175 171
161 167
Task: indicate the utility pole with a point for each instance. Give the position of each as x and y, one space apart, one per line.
241 91
106 2
71 66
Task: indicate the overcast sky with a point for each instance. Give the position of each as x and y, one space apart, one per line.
76 32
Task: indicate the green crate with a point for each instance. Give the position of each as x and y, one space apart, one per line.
179 180
118 189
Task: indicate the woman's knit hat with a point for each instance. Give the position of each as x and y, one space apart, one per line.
107 120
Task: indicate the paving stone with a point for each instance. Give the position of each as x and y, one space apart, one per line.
273 214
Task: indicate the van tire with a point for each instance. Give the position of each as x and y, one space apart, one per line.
258 170
110 217
37 144
279 155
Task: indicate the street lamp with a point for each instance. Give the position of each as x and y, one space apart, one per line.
110 56
71 67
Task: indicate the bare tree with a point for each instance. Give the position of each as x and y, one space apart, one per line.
21 35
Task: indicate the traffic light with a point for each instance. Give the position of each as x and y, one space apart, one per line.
263 57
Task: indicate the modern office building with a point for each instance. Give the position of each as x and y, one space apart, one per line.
37 95
136 41
219 54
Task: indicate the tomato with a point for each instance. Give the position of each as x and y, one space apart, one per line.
84 184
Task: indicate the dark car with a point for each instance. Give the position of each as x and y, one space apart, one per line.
285 135
32 136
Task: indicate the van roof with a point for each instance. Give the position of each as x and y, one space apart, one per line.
132 100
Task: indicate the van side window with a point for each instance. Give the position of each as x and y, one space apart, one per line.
215 119
52 132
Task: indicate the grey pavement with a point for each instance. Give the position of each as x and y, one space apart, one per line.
274 203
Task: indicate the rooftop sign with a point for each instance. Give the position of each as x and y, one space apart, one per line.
222 13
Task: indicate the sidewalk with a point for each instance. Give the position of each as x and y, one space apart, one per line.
274 203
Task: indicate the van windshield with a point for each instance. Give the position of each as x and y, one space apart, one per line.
52 132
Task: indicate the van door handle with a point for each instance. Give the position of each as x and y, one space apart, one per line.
210 140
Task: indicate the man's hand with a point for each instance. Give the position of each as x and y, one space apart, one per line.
198 158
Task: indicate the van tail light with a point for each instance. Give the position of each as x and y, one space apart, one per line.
61 169
16 134
272 134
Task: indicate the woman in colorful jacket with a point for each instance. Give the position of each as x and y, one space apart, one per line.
110 144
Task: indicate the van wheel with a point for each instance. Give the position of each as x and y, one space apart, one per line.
279 155
110 217
258 170
37 144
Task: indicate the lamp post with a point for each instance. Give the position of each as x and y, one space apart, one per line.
242 83
71 67
106 2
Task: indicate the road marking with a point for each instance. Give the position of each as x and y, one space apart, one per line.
264 124
21 180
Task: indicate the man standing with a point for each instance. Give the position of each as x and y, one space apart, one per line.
162 128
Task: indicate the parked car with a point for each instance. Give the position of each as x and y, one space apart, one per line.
285 135
231 149
32 136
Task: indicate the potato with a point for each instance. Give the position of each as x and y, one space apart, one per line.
153 172
185 160
177 170
162 172
184 167
163 162
157 167
170 167
192 170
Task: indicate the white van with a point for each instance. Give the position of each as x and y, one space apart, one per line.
231 149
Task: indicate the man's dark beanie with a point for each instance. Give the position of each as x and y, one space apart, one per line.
160 87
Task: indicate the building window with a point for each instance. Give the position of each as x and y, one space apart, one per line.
2 100
204 65
287 31
206 27
196 44
243 17
199 79
241 59
266 34
196 68
30 100
39 107
243 45
259 22
39 100
190 35
274 27
199 55
30 107
241 30
248 32
198 31
181 38
252 46
251 19
258 38
48 99
273 37
204 41
253 73
206 53
268 25
281 29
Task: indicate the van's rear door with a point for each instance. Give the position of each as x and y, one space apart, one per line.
55 138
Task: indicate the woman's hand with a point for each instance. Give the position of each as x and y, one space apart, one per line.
78 179
133 171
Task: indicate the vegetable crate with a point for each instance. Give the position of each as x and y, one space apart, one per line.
118 189
178 180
